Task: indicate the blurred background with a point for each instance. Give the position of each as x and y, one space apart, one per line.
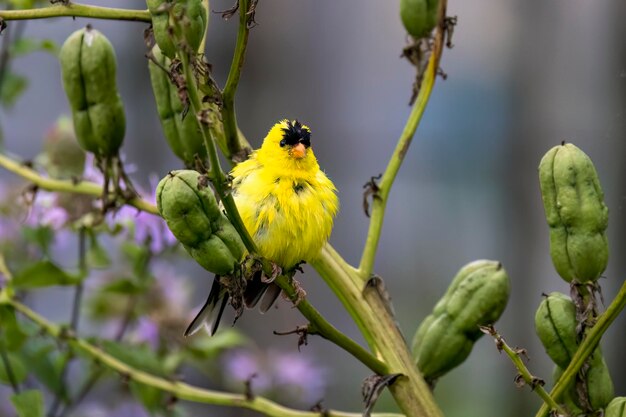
522 77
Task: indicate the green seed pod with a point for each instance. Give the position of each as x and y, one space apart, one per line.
88 68
597 384
183 134
463 273
441 347
477 296
419 17
191 16
574 204
616 408
194 217
555 324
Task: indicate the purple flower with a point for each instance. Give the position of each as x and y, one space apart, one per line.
92 173
296 375
241 366
147 331
44 211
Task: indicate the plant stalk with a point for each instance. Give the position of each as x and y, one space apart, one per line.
77 10
379 202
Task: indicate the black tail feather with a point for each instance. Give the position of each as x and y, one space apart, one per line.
273 291
208 315
255 288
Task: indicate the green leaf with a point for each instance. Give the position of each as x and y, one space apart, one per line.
97 256
210 346
138 256
124 286
11 334
18 368
25 46
28 403
43 274
46 363
40 236
137 356
12 87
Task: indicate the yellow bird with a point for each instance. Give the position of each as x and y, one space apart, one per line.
288 206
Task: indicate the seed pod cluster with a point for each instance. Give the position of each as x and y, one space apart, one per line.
419 17
574 205
477 296
182 133
190 16
555 323
191 212
88 68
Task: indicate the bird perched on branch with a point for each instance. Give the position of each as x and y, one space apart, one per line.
287 204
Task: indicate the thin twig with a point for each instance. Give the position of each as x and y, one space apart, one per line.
77 10
535 383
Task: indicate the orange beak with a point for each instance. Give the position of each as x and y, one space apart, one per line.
298 151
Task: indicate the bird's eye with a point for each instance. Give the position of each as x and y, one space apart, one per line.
283 143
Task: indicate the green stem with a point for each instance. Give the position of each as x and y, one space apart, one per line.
70 186
74 319
586 348
77 10
229 117
373 317
180 390
379 202
218 178
319 325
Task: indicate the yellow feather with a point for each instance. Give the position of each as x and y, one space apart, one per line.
287 204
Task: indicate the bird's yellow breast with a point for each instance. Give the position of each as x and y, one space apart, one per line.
287 209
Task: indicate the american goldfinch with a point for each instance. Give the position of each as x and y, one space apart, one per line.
287 205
